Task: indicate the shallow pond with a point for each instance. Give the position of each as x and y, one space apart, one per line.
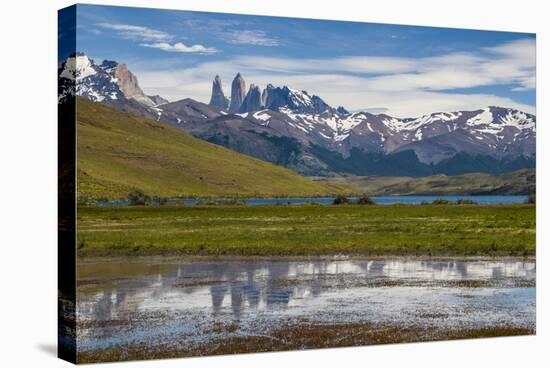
186 304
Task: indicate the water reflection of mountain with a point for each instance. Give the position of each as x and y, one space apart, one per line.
237 287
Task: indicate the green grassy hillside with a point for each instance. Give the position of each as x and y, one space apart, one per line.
517 182
119 152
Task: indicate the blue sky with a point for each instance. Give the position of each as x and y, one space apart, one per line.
403 70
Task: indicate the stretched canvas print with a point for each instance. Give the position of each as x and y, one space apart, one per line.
237 183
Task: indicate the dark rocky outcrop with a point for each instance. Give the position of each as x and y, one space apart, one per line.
342 110
238 88
218 98
253 100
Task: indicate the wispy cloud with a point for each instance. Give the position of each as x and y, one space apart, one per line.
137 32
153 38
510 63
180 47
243 32
252 37
406 87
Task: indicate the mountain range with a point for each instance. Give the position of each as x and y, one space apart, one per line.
300 131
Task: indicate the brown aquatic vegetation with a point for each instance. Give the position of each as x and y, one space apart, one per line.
301 337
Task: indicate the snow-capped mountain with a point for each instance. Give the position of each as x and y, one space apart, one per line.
299 130
494 131
288 99
272 98
106 82
80 76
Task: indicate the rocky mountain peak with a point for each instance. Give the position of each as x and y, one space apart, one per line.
218 98
253 100
109 66
238 90
277 98
342 110
109 81
129 85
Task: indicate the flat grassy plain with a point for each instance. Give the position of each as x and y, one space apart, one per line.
307 230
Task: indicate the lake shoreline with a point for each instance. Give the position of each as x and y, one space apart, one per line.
418 199
171 258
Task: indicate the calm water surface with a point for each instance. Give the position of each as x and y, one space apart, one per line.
385 200
120 304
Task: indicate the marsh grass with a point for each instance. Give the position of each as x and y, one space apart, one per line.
307 230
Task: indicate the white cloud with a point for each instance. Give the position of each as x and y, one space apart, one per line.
407 87
354 64
157 39
252 37
524 49
180 47
413 104
136 32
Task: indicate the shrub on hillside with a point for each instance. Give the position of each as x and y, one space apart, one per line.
532 199
441 201
138 198
161 201
365 200
340 199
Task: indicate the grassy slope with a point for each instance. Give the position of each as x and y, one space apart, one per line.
119 152
517 182
308 230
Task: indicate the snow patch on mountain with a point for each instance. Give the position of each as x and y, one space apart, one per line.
483 118
262 115
351 121
78 67
300 97
518 119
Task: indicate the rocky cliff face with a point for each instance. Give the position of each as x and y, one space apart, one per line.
129 85
253 100
218 98
238 88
